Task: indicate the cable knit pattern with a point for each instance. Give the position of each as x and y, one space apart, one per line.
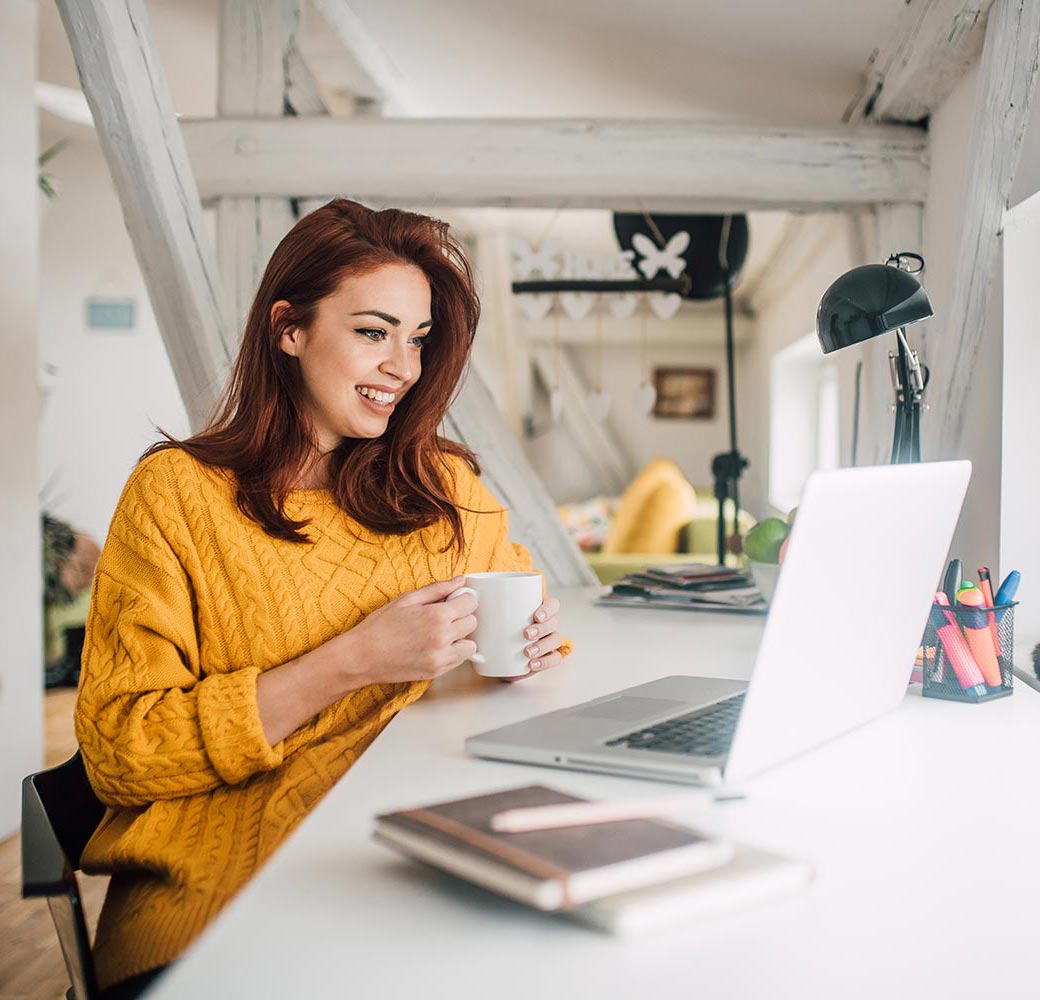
191 602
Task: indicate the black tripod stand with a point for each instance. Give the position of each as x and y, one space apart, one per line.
728 467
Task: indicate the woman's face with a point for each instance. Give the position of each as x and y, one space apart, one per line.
362 352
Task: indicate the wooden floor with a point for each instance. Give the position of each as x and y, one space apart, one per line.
31 965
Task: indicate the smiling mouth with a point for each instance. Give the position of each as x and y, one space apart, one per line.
380 400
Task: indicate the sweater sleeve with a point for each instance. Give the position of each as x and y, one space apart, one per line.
151 723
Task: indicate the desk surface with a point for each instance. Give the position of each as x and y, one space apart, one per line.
923 828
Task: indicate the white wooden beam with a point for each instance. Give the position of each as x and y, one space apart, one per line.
125 87
932 44
359 65
626 165
697 328
475 419
1007 83
593 442
256 42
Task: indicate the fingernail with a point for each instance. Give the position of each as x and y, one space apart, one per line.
540 616
532 650
536 664
531 632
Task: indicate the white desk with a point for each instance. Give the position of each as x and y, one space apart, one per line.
923 826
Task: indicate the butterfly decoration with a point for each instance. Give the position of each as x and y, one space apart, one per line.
654 259
527 262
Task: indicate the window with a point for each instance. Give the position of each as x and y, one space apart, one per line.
803 419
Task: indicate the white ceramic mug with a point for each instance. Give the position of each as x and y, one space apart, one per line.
506 603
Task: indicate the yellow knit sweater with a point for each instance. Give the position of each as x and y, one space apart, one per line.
191 602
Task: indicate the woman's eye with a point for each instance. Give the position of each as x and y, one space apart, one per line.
372 334
420 342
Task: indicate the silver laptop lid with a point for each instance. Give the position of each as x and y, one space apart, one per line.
866 551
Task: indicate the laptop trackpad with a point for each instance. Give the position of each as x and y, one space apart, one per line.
630 709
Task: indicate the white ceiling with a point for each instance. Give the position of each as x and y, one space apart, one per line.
757 60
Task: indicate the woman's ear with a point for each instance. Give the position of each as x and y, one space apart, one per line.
289 341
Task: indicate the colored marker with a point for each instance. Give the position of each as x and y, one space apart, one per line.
1007 591
954 572
956 649
976 631
986 586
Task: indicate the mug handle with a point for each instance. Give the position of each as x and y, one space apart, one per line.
476 657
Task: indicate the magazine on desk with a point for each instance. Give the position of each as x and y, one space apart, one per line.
687 586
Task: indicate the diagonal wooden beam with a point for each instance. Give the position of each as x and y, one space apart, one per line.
1007 83
629 165
475 419
358 64
931 46
125 87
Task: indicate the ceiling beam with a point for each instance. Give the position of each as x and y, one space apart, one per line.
1007 85
929 49
348 61
615 164
126 90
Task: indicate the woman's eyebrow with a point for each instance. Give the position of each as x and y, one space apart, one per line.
387 318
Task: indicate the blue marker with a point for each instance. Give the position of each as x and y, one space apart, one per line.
1007 591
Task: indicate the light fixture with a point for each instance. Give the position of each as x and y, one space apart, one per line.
872 300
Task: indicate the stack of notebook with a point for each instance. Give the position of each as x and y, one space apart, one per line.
689 586
622 876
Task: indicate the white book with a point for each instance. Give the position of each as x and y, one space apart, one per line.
750 876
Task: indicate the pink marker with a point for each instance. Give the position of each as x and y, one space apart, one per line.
957 652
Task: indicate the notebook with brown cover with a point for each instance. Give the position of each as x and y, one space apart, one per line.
548 869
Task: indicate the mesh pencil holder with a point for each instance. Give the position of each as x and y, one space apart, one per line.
968 654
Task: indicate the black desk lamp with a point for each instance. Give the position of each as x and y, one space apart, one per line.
872 300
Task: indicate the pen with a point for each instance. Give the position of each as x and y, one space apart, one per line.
586 813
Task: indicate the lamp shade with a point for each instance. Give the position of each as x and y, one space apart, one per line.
867 302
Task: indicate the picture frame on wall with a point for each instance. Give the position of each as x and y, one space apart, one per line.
685 393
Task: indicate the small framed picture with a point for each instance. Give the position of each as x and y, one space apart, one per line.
685 393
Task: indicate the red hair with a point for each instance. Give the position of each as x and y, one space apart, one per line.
396 483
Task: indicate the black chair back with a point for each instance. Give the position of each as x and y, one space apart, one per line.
59 814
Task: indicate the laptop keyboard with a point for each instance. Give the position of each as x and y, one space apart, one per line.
704 733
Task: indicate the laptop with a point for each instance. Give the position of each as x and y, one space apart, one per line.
849 610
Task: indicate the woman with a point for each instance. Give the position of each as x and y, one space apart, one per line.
272 589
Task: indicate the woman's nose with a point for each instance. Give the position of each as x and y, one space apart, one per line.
398 363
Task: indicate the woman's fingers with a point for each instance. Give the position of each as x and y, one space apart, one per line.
553 659
543 628
549 607
544 645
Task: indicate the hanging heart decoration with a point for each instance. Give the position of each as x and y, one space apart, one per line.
577 305
644 398
535 307
556 405
664 304
622 306
599 405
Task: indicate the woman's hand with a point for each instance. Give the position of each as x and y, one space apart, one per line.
544 639
416 637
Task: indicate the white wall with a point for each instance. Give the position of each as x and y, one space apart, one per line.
691 444
785 319
21 665
108 390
